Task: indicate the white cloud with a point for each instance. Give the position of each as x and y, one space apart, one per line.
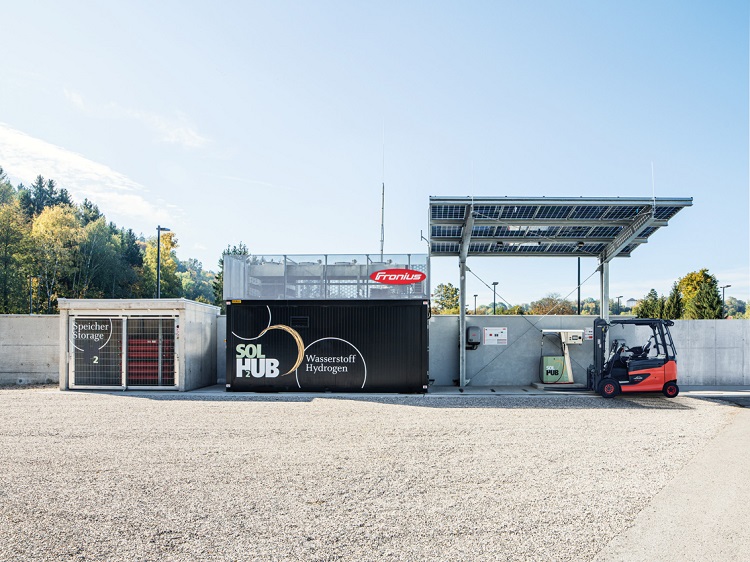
24 157
171 130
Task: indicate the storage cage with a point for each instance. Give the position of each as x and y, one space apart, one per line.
321 346
167 344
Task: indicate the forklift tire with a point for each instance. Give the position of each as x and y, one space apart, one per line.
609 388
671 390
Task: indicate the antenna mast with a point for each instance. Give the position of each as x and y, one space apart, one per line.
382 202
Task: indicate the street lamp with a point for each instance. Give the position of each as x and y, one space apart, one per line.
618 304
159 230
475 304
723 306
494 298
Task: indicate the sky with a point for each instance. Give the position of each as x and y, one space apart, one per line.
277 123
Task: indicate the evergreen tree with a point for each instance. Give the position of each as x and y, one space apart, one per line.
673 308
649 306
706 305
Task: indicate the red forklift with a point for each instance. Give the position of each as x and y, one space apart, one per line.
651 367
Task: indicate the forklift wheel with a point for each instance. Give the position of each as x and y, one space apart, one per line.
609 388
671 390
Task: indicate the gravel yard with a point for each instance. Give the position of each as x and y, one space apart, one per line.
87 476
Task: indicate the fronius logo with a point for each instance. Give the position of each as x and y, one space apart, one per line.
398 276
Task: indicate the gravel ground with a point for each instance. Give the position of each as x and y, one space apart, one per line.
87 476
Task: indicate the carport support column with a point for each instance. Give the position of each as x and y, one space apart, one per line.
462 322
604 290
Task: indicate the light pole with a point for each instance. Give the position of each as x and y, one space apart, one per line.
723 306
159 230
475 304
494 298
618 304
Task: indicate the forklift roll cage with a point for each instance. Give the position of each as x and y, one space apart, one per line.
631 372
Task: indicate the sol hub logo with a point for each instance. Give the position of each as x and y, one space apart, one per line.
252 363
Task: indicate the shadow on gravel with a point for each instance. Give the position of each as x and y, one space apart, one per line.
499 401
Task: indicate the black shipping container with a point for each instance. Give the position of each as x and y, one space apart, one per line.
319 346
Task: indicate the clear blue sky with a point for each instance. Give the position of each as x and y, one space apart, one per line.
263 122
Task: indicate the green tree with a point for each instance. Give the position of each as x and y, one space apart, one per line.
95 256
171 287
197 284
7 192
649 306
552 304
735 307
55 233
41 195
14 245
690 283
446 299
706 304
673 309
218 282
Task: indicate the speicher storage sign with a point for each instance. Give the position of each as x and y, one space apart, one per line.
318 346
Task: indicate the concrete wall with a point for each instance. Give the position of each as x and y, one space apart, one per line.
29 349
709 352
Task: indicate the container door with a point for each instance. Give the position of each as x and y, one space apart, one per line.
151 352
96 352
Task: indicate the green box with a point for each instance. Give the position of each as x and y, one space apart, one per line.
553 370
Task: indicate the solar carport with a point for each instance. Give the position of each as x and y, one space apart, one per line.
607 228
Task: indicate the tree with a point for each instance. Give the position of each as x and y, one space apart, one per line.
218 282
552 304
446 299
41 195
673 308
14 241
196 283
706 304
650 306
735 307
54 233
7 192
690 283
96 254
171 286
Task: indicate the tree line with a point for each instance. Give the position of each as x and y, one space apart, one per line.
694 296
51 247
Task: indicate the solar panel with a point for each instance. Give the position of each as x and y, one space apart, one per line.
618 212
562 248
444 247
448 212
510 231
588 212
531 248
446 231
480 246
483 231
666 213
487 211
601 225
518 211
554 212
605 231
573 232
